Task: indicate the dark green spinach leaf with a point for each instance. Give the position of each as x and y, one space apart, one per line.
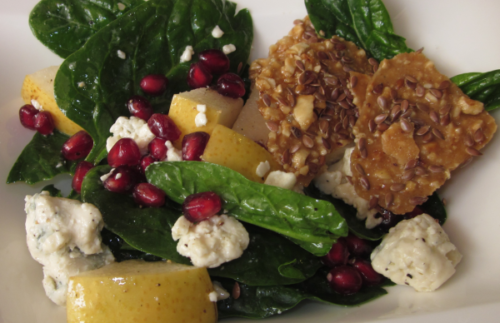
280 210
41 160
53 191
484 87
65 25
151 37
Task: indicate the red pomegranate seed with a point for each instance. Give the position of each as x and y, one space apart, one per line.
27 115
122 180
124 152
140 107
201 206
44 123
357 246
231 85
389 219
154 84
198 76
215 61
146 161
193 145
77 146
369 275
162 126
81 170
146 194
345 280
337 255
157 148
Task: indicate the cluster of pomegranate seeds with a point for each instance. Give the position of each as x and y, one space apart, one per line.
154 84
163 127
81 170
146 194
231 85
33 119
193 145
140 107
77 146
201 206
124 152
348 275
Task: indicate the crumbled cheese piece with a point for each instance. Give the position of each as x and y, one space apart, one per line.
118 176
217 32
173 154
222 293
281 179
121 6
263 168
121 54
187 54
37 105
228 49
334 181
134 128
64 236
106 176
211 242
213 296
201 118
416 252
81 84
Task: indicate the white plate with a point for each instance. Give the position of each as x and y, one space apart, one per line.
460 36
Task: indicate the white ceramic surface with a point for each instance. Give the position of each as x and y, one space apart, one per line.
459 35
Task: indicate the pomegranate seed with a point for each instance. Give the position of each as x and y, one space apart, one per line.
162 126
337 255
146 194
146 161
416 211
124 152
81 170
122 180
27 115
43 123
357 246
389 219
77 146
193 145
198 76
201 206
231 85
157 148
369 275
215 61
154 84
140 107
345 280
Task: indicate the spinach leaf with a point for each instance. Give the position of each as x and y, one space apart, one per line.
145 229
264 301
53 191
434 207
318 249
152 37
484 87
269 260
41 160
364 22
65 25
280 210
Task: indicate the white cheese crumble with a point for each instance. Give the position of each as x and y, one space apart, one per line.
211 242
217 32
121 6
263 168
416 252
201 118
221 292
213 296
106 176
133 128
334 181
37 105
281 179
121 54
64 236
228 49
187 54
173 154
81 84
